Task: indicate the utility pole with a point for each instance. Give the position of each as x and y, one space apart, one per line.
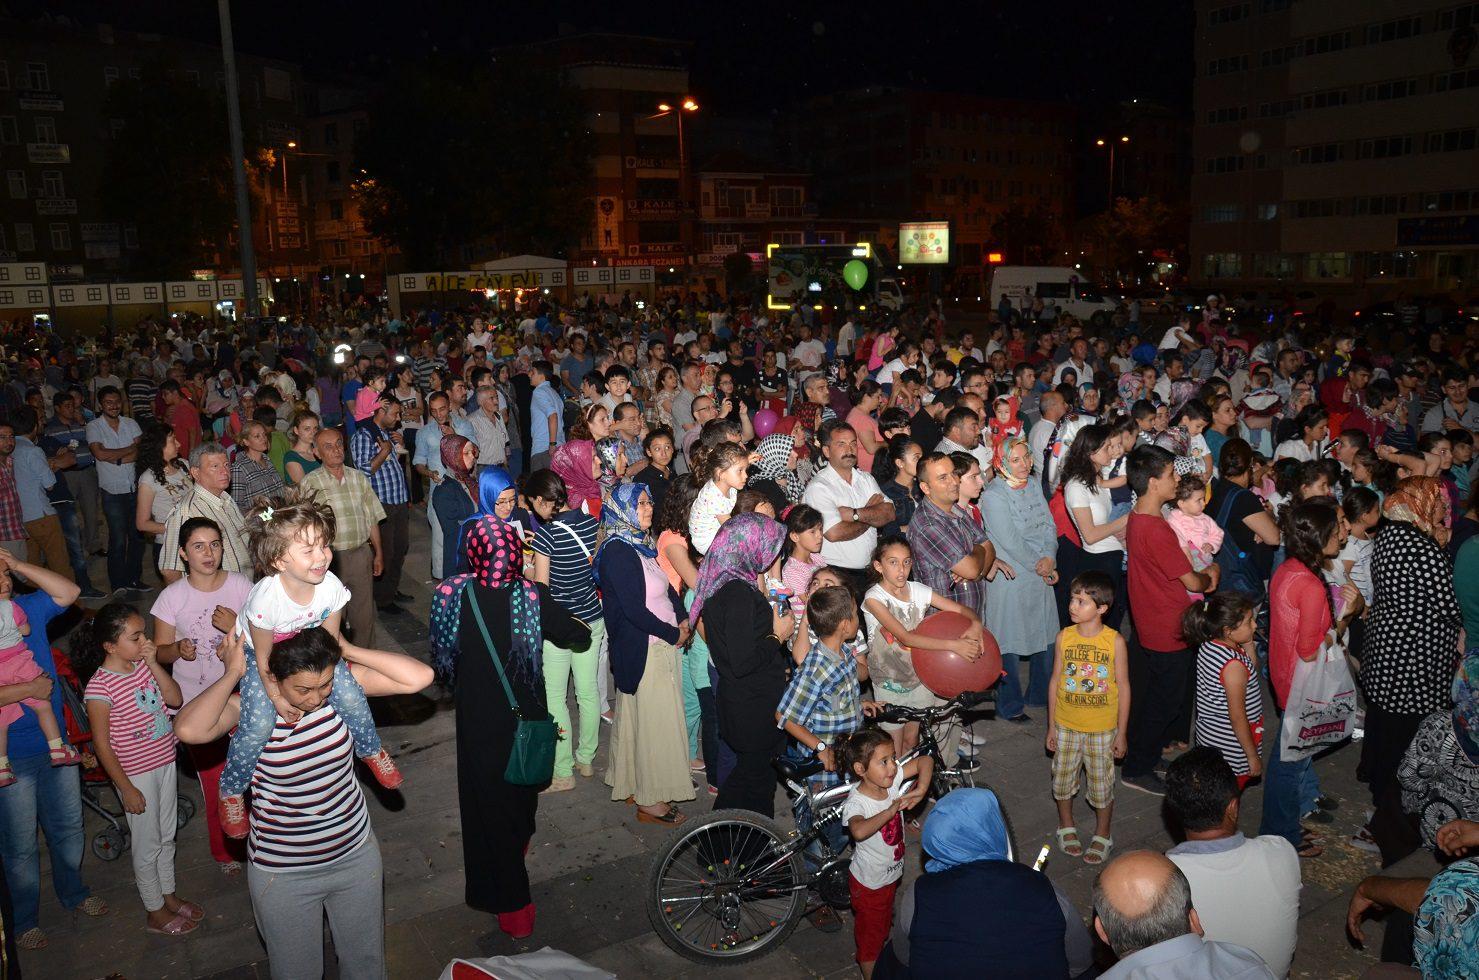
238 164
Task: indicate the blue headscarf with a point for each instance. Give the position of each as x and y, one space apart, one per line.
620 522
491 483
965 826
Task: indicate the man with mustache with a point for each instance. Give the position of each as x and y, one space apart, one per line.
851 505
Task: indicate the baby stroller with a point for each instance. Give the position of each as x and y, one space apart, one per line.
110 843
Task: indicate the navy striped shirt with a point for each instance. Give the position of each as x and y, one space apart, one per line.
570 582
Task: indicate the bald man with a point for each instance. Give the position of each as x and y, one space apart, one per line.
1143 910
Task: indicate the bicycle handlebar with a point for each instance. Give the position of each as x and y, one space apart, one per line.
895 713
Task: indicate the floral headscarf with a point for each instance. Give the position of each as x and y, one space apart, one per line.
452 464
607 450
495 556
1007 445
775 455
620 521
1420 501
746 545
572 463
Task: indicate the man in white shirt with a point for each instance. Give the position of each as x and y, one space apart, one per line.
1246 891
1051 408
810 353
963 435
114 440
489 430
846 338
1078 363
851 505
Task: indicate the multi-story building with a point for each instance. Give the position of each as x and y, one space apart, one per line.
643 189
55 75
746 204
344 251
1336 146
896 155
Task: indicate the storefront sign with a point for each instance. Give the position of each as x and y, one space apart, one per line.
651 163
654 207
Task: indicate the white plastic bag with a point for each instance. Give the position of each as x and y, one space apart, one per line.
542 964
1322 703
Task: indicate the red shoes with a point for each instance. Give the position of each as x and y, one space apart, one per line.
382 767
518 925
234 816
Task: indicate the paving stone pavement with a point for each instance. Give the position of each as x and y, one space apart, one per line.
589 864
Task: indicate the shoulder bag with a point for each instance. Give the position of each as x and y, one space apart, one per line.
531 760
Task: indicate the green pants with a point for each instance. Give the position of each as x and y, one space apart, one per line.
559 665
695 679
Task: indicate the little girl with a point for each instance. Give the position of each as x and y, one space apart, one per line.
17 666
126 696
872 814
722 471
290 548
804 560
1229 715
894 608
1362 509
367 399
1004 423
1199 535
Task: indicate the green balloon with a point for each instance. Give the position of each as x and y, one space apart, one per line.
855 273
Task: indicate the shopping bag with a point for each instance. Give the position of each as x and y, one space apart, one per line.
1322 703
541 964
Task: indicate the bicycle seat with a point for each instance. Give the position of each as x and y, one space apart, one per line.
797 770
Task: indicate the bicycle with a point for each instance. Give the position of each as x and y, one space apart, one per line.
731 886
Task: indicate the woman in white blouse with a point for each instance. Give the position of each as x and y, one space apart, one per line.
1101 546
163 481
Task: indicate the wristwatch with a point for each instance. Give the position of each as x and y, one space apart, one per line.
820 748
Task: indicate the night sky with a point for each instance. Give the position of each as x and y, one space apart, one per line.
749 57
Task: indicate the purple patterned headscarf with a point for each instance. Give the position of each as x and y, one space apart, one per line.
746 545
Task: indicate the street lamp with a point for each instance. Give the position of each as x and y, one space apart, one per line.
1111 144
663 109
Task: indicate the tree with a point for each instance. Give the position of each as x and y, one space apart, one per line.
458 155
737 272
1133 228
1027 235
168 172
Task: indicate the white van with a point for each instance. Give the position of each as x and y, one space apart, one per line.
1067 288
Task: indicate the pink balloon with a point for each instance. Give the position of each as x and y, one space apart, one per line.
764 422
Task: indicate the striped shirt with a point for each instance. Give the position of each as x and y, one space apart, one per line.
570 584
1214 725
389 481
141 393
307 809
11 526
139 729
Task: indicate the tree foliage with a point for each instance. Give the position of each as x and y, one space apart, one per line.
495 156
1135 227
168 172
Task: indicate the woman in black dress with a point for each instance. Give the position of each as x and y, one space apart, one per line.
497 816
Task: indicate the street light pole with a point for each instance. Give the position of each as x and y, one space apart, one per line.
686 105
1111 145
238 162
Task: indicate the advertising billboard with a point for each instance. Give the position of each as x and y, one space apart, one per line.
924 243
813 274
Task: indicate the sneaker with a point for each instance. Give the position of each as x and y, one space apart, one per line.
967 763
971 738
382 767
560 784
1328 803
1021 719
65 755
233 816
92 593
1148 783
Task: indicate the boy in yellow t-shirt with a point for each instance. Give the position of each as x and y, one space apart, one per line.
1088 712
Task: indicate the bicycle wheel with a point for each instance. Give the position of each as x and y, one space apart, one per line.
727 888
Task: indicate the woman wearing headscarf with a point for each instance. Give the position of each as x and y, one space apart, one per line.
648 625
775 474
1021 611
496 500
975 912
1411 644
746 637
453 500
577 464
497 816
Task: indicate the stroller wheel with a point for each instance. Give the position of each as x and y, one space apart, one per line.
184 811
109 844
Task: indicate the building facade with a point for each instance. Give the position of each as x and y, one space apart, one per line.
1335 146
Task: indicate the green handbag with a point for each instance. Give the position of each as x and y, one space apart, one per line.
531 761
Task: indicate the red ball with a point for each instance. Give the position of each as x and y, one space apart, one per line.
946 672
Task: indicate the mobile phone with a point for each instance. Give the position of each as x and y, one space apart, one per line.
1042 858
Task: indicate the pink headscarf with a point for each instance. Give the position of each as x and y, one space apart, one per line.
572 463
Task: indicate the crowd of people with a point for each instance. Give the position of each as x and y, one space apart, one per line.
722 528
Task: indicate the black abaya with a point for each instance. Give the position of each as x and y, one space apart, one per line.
497 816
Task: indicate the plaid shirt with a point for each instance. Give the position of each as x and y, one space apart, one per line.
222 510
823 697
389 481
12 528
251 479
939 540
355 506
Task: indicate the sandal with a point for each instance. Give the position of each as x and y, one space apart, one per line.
191 911
32 938
64 755
230 869
177 926
672 818
1099 848
1069 843
1310 847
7 775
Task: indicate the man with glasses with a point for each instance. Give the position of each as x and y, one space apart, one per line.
1456 410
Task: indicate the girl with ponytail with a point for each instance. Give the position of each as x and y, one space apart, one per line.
1229 701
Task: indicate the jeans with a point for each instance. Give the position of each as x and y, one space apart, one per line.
1284 784
560 665
259 717
72 533
1011 702
125 544
52 795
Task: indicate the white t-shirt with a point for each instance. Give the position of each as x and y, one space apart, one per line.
810 353
703 520
1358 553
907 613
1246 894
890 370
1099 503
878 860
1300 450
268 607
827 494
846 337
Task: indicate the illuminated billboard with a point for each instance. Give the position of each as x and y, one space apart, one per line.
924 243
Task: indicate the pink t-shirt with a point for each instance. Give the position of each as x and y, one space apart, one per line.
366 401
139 728
189 611
863 422
657 584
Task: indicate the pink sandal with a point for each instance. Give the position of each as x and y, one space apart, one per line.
7 775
